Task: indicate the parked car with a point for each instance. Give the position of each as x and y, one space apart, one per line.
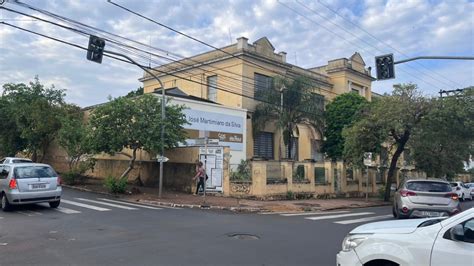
8 160
25 183
429 241
471 188
425 198
462 190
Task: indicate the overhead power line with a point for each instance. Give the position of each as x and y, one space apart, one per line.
126 61
375 37
370 44
348 41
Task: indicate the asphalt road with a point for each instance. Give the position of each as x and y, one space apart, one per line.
88 229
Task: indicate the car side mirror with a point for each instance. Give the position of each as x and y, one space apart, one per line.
457 232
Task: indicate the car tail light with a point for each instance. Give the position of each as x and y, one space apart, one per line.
60 181
453 196
406 193
12 184
405 209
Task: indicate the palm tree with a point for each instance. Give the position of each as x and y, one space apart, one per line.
289 102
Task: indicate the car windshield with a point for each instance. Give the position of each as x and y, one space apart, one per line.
21 161
429 186
34 172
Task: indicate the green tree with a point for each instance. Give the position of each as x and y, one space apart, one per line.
134 93
446 136
289 103
10 140
340 113
392 121
135 123
72 137
35 111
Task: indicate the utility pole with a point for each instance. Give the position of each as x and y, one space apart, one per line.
95 52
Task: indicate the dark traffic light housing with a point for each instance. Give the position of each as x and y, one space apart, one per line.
385 67
95 50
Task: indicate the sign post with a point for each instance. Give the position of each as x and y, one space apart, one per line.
367 163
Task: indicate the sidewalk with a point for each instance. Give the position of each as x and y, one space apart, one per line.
149 195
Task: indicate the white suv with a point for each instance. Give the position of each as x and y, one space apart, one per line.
431 241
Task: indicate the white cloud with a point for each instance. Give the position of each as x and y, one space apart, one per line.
415 28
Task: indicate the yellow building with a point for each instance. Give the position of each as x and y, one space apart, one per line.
231 75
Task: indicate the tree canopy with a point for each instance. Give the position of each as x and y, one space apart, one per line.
390 121
340 113
288 103
32 114
446 136
135 123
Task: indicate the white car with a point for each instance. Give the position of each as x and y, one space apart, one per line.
430 242
462 190
471 188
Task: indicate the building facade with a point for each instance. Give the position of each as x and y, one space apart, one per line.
231 75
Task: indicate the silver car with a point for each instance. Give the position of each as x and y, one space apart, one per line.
8 160
26 183
425 198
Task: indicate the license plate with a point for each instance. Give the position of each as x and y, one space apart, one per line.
431 214
38 186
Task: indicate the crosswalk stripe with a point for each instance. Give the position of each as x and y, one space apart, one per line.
312 213
361 220
338 216
84 205
131 204
108 204
66 210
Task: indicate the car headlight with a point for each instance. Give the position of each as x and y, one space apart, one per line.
350 242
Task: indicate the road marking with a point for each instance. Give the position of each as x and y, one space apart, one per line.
108 204
66 210
29 213
84 205
361 220
338 216
131 204
312 213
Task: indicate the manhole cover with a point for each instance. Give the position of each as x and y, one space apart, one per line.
243 236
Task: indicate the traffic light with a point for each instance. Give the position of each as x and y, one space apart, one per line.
95 50
385 67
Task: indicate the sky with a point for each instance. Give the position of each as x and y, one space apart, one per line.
310 32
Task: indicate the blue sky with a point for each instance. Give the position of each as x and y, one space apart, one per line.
318 31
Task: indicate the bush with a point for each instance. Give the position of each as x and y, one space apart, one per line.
116 185
243 172
73 178
298 175
290 195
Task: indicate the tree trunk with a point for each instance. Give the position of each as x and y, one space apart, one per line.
34 157
393 163
130 164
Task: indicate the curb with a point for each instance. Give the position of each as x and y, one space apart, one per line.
173 205
196 206
214 207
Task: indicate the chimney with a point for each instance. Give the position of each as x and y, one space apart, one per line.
283 56
242 43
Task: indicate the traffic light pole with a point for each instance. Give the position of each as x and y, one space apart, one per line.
163 115
435 57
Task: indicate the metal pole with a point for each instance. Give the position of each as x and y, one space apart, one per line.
205 166
367 186
435 57
163 114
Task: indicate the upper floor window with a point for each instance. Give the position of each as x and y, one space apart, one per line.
262 83
212 88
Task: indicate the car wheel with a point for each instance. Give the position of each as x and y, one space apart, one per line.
54 204
6 206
